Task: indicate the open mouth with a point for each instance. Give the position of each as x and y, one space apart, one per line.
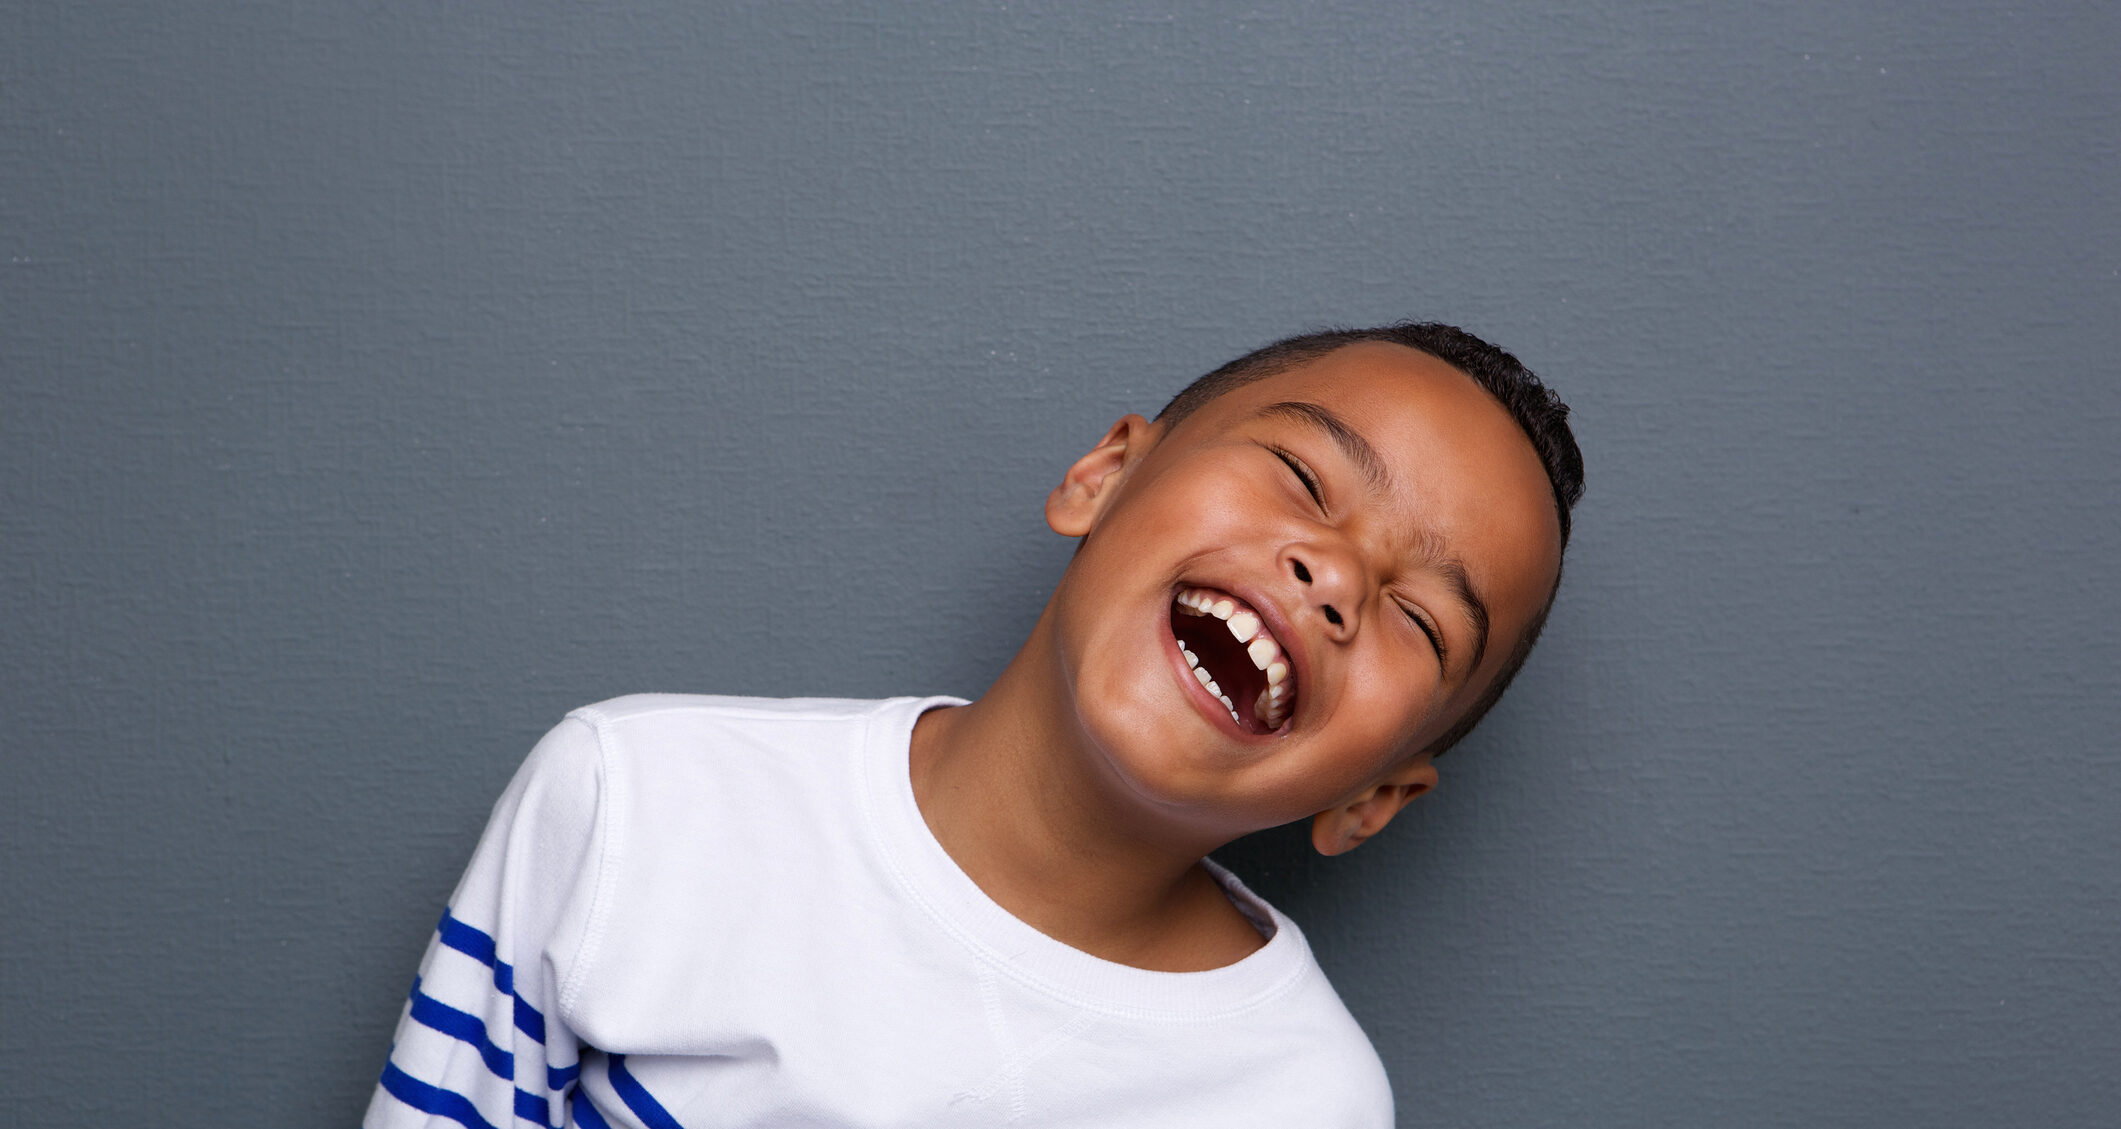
1235 658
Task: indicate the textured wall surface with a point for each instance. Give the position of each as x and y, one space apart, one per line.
378 382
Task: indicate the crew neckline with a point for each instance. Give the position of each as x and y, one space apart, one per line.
928 875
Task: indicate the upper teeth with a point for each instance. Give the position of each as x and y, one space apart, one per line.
1261 647
1243 623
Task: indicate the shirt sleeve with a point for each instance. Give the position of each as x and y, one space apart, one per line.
481 1042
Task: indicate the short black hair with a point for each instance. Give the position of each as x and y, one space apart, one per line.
1537 410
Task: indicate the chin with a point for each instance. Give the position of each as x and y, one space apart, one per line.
1164 757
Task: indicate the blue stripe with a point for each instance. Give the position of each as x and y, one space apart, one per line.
561 1077
461 1025
476 945
532 1108
528 1021
637 1097
480 947
585 1112
432 1099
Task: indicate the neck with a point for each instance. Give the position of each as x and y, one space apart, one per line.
1012 788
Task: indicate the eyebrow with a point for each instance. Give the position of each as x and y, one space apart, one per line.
1359 451
1349 440
1476 609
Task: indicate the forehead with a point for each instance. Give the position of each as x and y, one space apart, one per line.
1385 381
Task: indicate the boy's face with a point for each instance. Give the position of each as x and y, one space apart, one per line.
1369 509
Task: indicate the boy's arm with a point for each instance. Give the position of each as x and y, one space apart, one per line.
482 1040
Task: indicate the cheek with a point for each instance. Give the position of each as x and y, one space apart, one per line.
1399 694
1207 495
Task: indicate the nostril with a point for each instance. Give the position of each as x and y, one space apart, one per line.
1332 617
1302 573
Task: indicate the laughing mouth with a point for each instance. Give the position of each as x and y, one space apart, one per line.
1235 658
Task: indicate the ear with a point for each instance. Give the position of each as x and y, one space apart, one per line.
1089 486
1336 831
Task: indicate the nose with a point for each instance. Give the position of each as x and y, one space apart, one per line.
1332 584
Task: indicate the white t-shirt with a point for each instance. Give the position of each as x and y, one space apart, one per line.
695 911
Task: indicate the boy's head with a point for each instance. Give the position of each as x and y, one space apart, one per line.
1539 413
1355 534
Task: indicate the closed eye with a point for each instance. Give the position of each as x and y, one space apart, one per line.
1428 629
1303 474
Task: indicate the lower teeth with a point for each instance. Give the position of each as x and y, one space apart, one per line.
1268 708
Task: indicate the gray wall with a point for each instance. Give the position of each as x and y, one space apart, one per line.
381 381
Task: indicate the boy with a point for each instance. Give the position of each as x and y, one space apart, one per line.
1309 576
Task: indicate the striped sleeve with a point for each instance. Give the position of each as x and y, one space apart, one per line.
481 1043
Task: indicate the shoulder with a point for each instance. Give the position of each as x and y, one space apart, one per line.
1345 1068
651 727
646 752
1329 1058
1324 1066
1308 1033
644 743
713 709
716 809
1296 1057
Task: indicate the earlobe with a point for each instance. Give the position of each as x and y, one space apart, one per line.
1336 831
1072 509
